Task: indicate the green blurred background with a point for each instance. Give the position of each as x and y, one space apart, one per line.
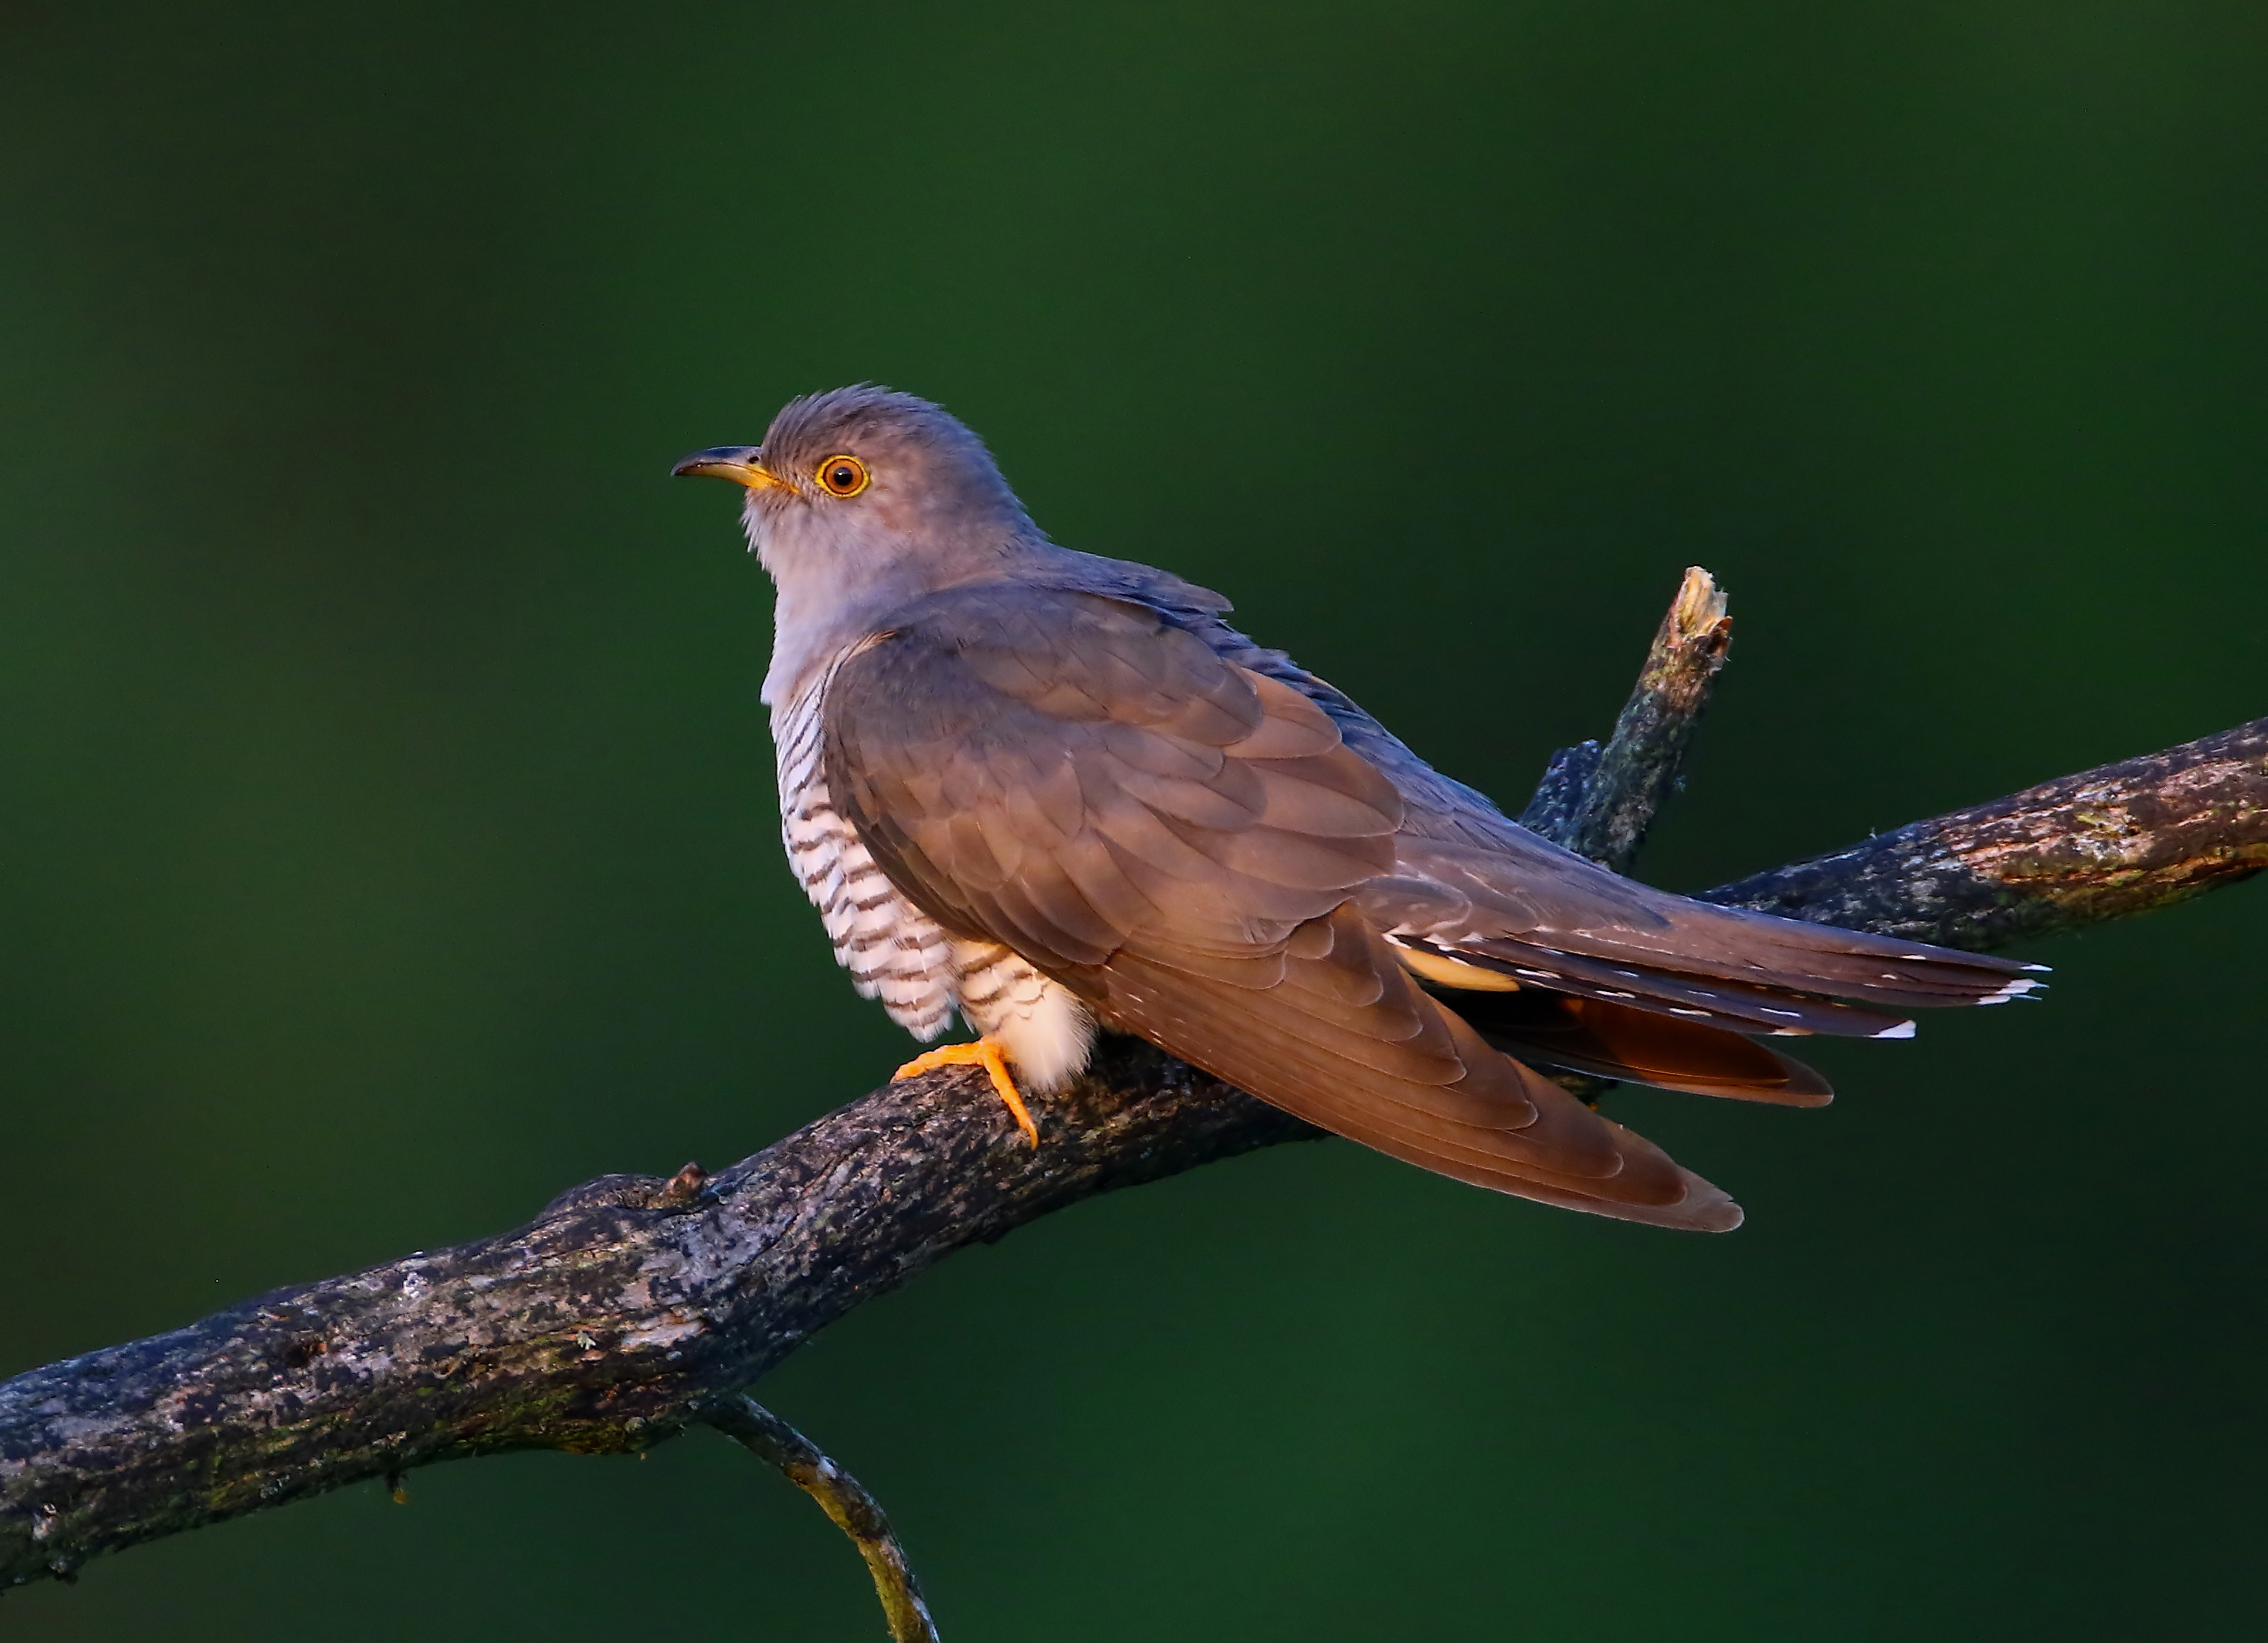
387 835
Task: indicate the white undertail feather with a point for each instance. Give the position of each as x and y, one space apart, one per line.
2017 989
896 952
1046 1031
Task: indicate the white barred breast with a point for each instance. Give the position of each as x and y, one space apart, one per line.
894 951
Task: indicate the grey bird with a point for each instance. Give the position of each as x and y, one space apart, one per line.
1055 792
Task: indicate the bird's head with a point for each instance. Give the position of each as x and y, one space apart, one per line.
862 486
861 500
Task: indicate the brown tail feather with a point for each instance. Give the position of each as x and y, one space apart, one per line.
1614 1041
1523 901
1741 1007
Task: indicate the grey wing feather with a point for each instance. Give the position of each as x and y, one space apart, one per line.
1470 882
1179 840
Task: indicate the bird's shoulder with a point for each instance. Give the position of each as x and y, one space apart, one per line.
1060 770
1057 631
1436 805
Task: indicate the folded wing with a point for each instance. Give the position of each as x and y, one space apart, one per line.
1189 846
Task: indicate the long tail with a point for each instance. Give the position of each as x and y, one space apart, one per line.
1615 1040
1490 919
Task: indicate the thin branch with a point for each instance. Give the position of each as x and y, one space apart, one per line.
1600 803
844 1499
632 1305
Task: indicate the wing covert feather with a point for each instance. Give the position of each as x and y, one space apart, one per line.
1068 774
1180 841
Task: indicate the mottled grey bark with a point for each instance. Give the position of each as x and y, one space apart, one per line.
1600 802
632 1306
2120 839
610 1322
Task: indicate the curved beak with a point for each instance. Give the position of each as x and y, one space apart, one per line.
740 463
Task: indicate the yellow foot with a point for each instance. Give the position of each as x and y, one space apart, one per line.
983 1053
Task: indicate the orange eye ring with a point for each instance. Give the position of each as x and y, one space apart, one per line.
844 475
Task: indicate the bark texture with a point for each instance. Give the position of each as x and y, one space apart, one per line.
1600 802
2119 839
608 1323
633 1307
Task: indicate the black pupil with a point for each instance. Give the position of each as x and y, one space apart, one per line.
843 476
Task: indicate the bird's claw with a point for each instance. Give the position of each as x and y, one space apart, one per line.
983 1053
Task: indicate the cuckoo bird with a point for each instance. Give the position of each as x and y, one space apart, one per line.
1055 792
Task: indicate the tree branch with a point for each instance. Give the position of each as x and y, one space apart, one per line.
631 1306
1600 803
855 1512
2120 839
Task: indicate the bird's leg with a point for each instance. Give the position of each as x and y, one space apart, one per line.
986 1053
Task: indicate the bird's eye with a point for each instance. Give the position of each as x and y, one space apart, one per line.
842 476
